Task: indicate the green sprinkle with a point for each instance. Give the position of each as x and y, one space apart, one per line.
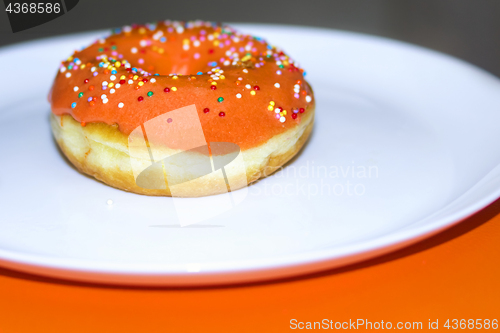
113 47
80 95
220 99
150 93
100 49
281 66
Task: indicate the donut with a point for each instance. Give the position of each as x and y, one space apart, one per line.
169 108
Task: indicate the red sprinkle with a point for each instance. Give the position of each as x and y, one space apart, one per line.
91 88
206 110
166 89
222 114
211 51
279 109
92 103
144 80
294 115
301 110
256 87
122 81
86 81
213 87
140 98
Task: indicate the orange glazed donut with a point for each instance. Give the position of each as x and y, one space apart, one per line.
144 109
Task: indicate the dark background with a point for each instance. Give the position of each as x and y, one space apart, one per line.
467 29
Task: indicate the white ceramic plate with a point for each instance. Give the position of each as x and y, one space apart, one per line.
419 129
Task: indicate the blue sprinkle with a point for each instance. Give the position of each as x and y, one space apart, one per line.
199 73
113 72
163 39
304 74
74 104
88 100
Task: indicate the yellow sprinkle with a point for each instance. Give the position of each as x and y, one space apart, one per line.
222 77
216 43
270 108
245 58
140 84
117 64
135 77
252 92
161 51
284 112
271 103
142 30
214 83
123 77
82 66
193 77
111 84
70 58
174 89
216 34
216 70
185 41
174 77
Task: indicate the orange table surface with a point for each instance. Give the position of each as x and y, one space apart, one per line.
453 275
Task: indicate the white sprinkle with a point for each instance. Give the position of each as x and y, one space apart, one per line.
112 77
117 85
103 96
153 80
196 43
105 100
126 28
93 69
143 43
112 91
248 86
68 74
185 47
120 105
245 70
278 72
282 119
105 83
226 63
238 95
240 78
133 50
75 88
277 85
308 98
63 69
130 81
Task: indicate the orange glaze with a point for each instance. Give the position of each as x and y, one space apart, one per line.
184 49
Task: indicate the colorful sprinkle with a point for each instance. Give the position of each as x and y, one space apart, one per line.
150 93
220 99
